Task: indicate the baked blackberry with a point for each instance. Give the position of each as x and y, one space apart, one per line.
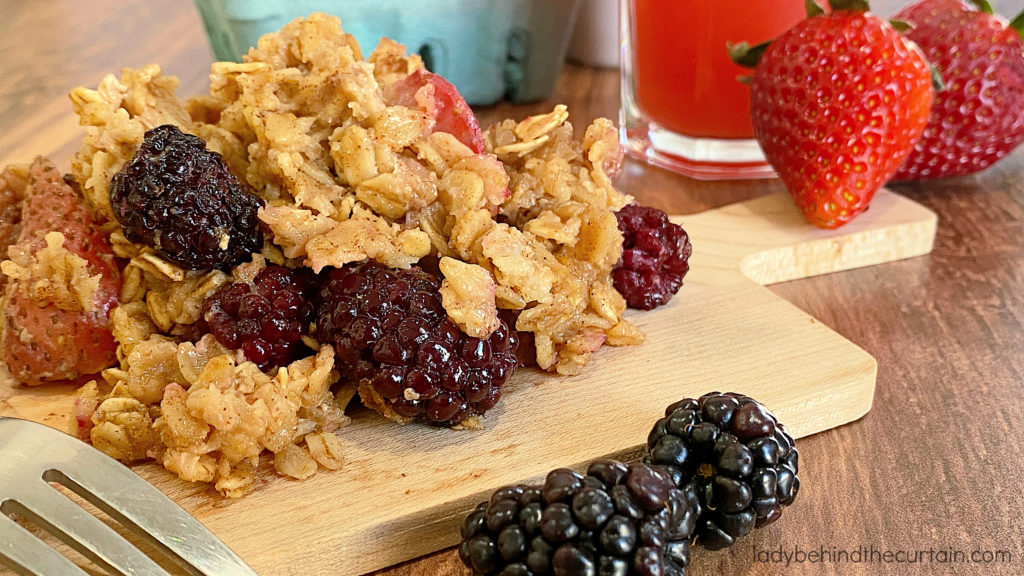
180 198
266 319
655 257
734 455
393 338
613 521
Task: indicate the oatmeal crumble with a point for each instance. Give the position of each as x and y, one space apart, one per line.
350 169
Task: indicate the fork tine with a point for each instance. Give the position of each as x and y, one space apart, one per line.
79 529
151 514
125 496
26 554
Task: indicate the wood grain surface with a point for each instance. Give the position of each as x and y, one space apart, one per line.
936 464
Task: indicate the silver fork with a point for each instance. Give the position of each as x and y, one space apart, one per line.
33 455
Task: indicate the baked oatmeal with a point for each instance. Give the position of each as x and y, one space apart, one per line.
441 252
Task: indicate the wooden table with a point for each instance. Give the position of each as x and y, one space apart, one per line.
936 465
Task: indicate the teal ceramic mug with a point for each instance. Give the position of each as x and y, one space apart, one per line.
488 48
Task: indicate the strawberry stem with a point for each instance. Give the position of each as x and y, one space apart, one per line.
850 5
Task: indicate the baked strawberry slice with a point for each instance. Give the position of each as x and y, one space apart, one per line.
63 284
442 102
13 184
979 117
837 103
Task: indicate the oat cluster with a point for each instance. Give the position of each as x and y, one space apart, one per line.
207 417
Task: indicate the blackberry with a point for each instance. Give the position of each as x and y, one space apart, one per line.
267 318
655 257
613 521
180 198
730 451
392 336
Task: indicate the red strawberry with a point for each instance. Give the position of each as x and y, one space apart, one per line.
439 99
979 117
837 104
41 341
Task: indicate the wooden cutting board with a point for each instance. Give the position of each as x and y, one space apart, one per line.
404 489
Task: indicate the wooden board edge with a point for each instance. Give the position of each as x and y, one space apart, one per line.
828 255
848 403
408 543
767 240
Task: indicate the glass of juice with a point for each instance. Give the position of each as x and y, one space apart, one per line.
682 105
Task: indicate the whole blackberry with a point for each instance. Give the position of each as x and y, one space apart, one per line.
265 319
655 255
392 336
180 198
613 521
730 451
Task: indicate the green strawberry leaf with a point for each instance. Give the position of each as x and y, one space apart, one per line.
937 84
746 55
901 26
813 8
1018 24
745 79
851 5
984 6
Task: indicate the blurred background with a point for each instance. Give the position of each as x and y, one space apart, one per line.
490 50
518 52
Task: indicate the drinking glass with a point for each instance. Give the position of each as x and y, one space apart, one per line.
683 107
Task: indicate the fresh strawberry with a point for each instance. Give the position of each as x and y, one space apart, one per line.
837 103
979 117
45 340
442 102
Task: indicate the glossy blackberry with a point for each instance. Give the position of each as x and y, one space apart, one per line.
180 198
655 257
613 521
392 336
734 455
267 318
